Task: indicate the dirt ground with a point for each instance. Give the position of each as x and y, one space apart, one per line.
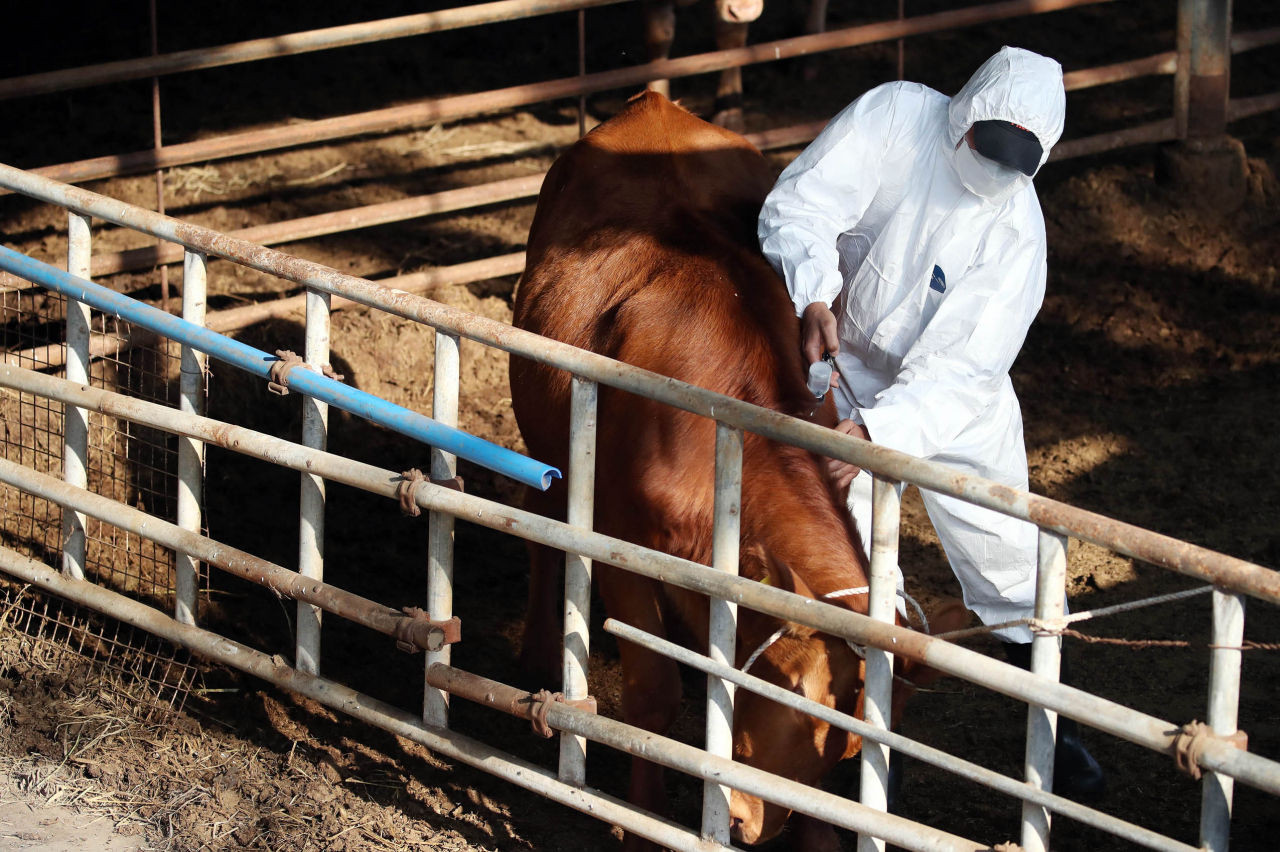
1147 385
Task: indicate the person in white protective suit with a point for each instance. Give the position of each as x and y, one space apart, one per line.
912 243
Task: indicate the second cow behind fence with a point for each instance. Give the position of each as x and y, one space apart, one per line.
643 249
732 18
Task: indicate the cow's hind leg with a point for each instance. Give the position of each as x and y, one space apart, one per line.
728 106
659 32
541 646
650 683
814 23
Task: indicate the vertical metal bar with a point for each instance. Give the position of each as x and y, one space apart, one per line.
582 70
1046 660
444 408
315 433
155 128
886 516
1224 702
1209 83
577 570
75 430
722 630
1182 72
190 451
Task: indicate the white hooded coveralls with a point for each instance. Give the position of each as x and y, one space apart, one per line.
934 289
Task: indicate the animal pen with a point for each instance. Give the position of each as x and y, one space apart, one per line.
103 468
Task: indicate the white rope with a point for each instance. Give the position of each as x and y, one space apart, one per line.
862 590
777 634
856 648
1055 626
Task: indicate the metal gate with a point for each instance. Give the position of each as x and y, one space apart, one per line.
1215 750
144 549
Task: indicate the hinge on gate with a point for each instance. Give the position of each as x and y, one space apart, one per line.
418 632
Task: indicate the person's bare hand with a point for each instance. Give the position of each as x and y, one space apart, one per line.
841 473
818 332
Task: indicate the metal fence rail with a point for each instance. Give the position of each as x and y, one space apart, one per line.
1132 725
291 44
436 110
452 108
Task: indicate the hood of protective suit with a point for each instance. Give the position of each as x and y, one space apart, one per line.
1015 85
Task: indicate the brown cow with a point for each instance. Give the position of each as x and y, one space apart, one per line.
731 20
643 249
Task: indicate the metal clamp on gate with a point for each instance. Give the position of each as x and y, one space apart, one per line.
542 701
418 632
411 480
280 370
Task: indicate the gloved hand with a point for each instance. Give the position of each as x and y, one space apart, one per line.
841 473
818 333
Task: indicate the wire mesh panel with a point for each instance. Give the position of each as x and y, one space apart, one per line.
134 465
43 632
32 321
128 463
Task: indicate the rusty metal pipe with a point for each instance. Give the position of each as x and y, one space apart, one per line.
1126 539
462 106
351 219
1209 85
694 761
286 45
1161 63
281 581
357 705
1242 42
1105 715
1240 108
1144 134
338 221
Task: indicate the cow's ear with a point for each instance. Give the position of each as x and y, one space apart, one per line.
786 579
758 563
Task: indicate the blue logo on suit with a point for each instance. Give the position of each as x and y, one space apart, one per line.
939 280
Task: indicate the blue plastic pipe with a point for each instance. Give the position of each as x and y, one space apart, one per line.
304 381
